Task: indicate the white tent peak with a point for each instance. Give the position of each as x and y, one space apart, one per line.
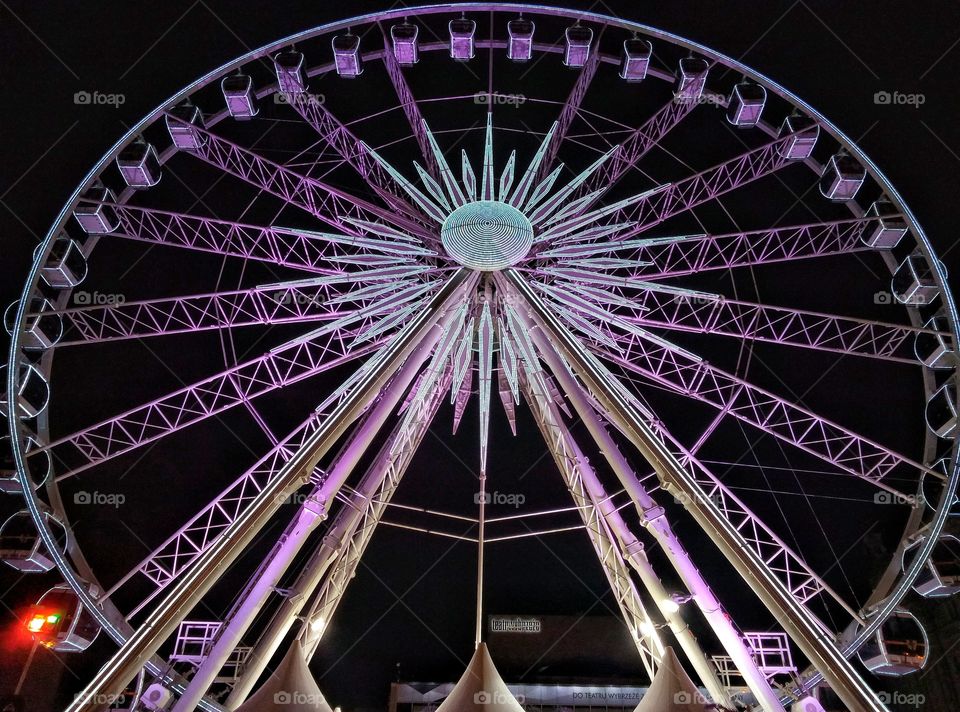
672 690
291 688
480 688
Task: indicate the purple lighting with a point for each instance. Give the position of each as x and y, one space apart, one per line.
289 68
520 46
346 55
238 93
139 165
462 32
636 59
405 47
577 51
692 79
746 104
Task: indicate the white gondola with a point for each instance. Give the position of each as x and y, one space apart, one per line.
889 228
42 327
913 282
520 44
33 392
746 104
842 177
636 59
931 488
898 648
803 133
139 165
40 465
21 546
934 347
182 124
462 32
60 622
94 217
941 412
66 266
406 45
346 55
289 68
691 79
239 97
578 41
940 575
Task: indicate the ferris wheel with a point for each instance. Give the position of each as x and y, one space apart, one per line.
516 212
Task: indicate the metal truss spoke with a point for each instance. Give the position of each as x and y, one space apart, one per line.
354 151
677 257
709 314
331 205
288 363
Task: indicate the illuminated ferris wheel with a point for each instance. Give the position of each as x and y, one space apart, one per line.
487 208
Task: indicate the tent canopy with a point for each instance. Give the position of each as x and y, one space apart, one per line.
291 688
480 689
672 690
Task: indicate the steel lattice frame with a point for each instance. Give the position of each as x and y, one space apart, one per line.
374 263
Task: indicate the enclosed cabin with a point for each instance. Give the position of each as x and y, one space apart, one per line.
520 42
60 622
913 283
346 55
941 411
33 392
691 79
65 266
888 227
185 126
940 575
39 465
636 59
21 546
801 134
898 648
576 52
462 33
406 43
42 325
139 165
932 487
94 217
842 177
288 66
239 96
746 104
934 345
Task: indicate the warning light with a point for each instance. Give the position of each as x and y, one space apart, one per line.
35 624
53 618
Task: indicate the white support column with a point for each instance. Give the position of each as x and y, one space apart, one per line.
160 624
588 492
624 412
354 524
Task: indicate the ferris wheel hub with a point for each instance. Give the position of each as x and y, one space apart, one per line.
487 235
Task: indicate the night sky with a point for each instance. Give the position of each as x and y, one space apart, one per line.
412 600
